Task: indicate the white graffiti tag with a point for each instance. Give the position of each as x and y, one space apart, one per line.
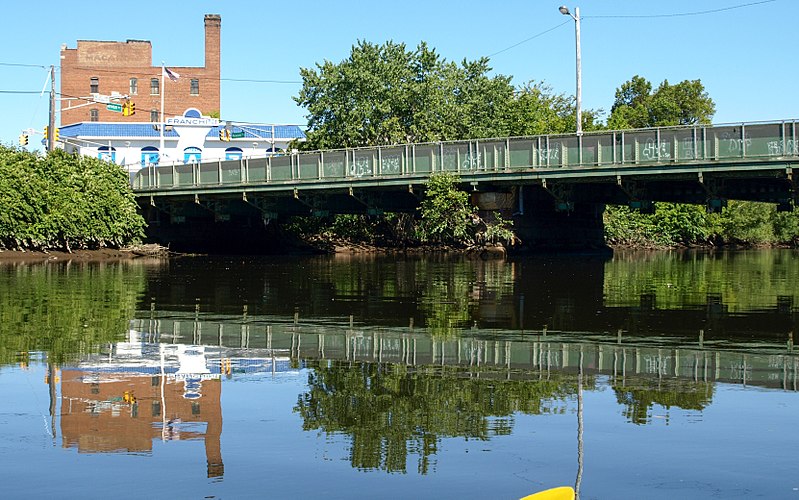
654 151
391 164
361 167
777 148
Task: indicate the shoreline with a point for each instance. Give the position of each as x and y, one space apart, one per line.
337 248
98 255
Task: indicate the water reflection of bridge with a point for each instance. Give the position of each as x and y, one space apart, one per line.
533 354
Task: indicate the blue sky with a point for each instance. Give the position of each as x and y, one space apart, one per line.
744 56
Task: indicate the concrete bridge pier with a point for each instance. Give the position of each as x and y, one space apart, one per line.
545 223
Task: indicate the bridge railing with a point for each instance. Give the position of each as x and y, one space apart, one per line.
629 148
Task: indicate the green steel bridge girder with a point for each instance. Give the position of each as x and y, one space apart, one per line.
701 164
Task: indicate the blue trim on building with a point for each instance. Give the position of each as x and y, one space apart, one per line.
139 130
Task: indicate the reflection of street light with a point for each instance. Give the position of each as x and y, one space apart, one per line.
576 16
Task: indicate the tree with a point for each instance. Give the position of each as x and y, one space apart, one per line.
387 94
537 110
636 106
445 210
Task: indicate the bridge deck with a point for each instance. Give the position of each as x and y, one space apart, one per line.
743 147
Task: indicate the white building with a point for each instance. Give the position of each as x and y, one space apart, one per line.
190 138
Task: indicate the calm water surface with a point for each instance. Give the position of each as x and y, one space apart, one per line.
658 375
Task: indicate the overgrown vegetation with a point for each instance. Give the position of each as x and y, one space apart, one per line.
62 201
445 217
674 224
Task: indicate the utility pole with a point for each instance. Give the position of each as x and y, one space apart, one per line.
51 126
579 97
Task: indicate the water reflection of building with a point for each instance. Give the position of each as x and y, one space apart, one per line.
120 402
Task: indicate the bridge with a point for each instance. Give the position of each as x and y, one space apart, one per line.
519 355
538 177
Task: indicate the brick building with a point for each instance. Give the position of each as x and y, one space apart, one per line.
126 68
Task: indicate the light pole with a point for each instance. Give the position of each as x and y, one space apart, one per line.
576 16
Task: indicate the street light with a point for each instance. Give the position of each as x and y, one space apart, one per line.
576 16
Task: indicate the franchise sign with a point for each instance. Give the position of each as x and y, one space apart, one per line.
193 121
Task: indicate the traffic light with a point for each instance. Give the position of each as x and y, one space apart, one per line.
46 130
224 135
56 135
23 139
129 109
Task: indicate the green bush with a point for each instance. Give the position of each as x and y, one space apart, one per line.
672 224
63 201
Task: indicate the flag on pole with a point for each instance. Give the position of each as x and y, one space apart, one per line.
171 74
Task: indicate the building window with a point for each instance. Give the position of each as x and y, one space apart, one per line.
94 86
94 115
154 115
192 155
134 86
149 156
195 86
155 86
107 154
233 154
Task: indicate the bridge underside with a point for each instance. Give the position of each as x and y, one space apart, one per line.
549 213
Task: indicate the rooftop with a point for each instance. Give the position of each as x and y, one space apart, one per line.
150 130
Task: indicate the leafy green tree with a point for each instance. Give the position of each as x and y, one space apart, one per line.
537 110
446 214
387 94
637 106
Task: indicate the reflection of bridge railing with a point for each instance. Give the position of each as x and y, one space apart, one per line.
752 143
528 356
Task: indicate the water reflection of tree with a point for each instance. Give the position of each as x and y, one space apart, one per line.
762 279
639 397
65 308
393 411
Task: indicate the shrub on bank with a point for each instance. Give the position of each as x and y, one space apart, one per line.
63 201
674 224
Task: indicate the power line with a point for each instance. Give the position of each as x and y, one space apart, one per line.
682 14
651 16
257 81
24 65
24 92
528 39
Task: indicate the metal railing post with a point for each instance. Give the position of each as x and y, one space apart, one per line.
743 140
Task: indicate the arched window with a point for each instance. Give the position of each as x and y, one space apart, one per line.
192 155
154 115
233 154
155 86
134 86
149 156
107 153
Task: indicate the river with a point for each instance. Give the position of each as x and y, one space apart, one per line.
646 375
